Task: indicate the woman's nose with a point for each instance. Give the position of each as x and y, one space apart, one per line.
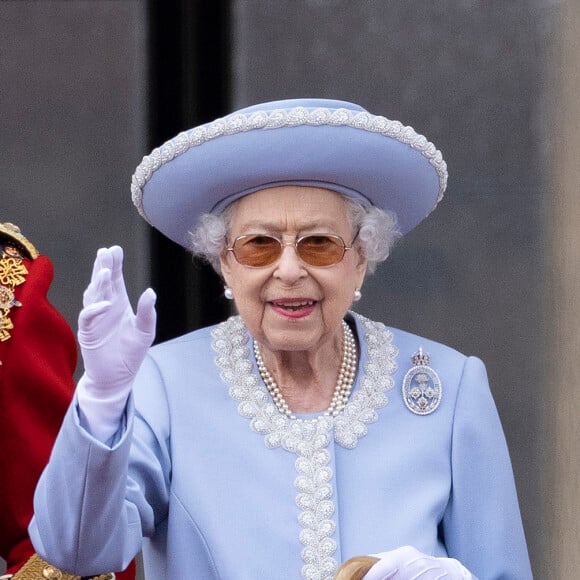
289 267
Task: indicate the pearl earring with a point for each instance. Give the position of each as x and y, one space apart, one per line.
228 293
357 295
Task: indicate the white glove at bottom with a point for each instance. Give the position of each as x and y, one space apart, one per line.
407 563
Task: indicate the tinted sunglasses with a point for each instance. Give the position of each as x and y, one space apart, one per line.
260 250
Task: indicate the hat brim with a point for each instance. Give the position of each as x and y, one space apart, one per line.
339 147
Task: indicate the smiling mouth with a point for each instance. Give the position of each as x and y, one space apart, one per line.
293 305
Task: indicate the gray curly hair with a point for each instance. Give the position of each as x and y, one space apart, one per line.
377 233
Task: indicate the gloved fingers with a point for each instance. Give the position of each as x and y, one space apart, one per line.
384 569
103 259
99 288
146 316
111 259
91 322
408 563
421 564
139 334
115 254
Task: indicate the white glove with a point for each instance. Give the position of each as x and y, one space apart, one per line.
407 563
113 341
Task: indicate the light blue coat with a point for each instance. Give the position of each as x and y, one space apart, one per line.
221 486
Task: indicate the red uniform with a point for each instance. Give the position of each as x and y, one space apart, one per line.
38 357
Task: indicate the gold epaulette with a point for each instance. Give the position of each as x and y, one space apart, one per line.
14 248
37 569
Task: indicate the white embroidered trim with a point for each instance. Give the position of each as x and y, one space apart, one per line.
308 439
239 123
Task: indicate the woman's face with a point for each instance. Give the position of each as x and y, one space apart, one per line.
290 305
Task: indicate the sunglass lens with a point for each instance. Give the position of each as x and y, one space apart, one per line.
321 250
256 251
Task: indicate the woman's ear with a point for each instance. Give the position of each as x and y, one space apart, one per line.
361 269
361 258
225 266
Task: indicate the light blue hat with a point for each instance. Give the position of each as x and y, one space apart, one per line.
317 142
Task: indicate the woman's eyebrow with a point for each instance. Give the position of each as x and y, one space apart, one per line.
279 227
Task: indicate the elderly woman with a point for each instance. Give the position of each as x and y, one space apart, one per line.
296 434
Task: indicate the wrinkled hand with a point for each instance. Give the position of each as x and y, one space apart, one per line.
407 563
113 340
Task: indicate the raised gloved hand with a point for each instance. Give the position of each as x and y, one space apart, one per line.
113 340
407 563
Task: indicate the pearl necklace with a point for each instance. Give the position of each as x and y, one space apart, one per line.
343 383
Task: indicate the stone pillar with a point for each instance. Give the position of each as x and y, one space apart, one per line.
562 483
